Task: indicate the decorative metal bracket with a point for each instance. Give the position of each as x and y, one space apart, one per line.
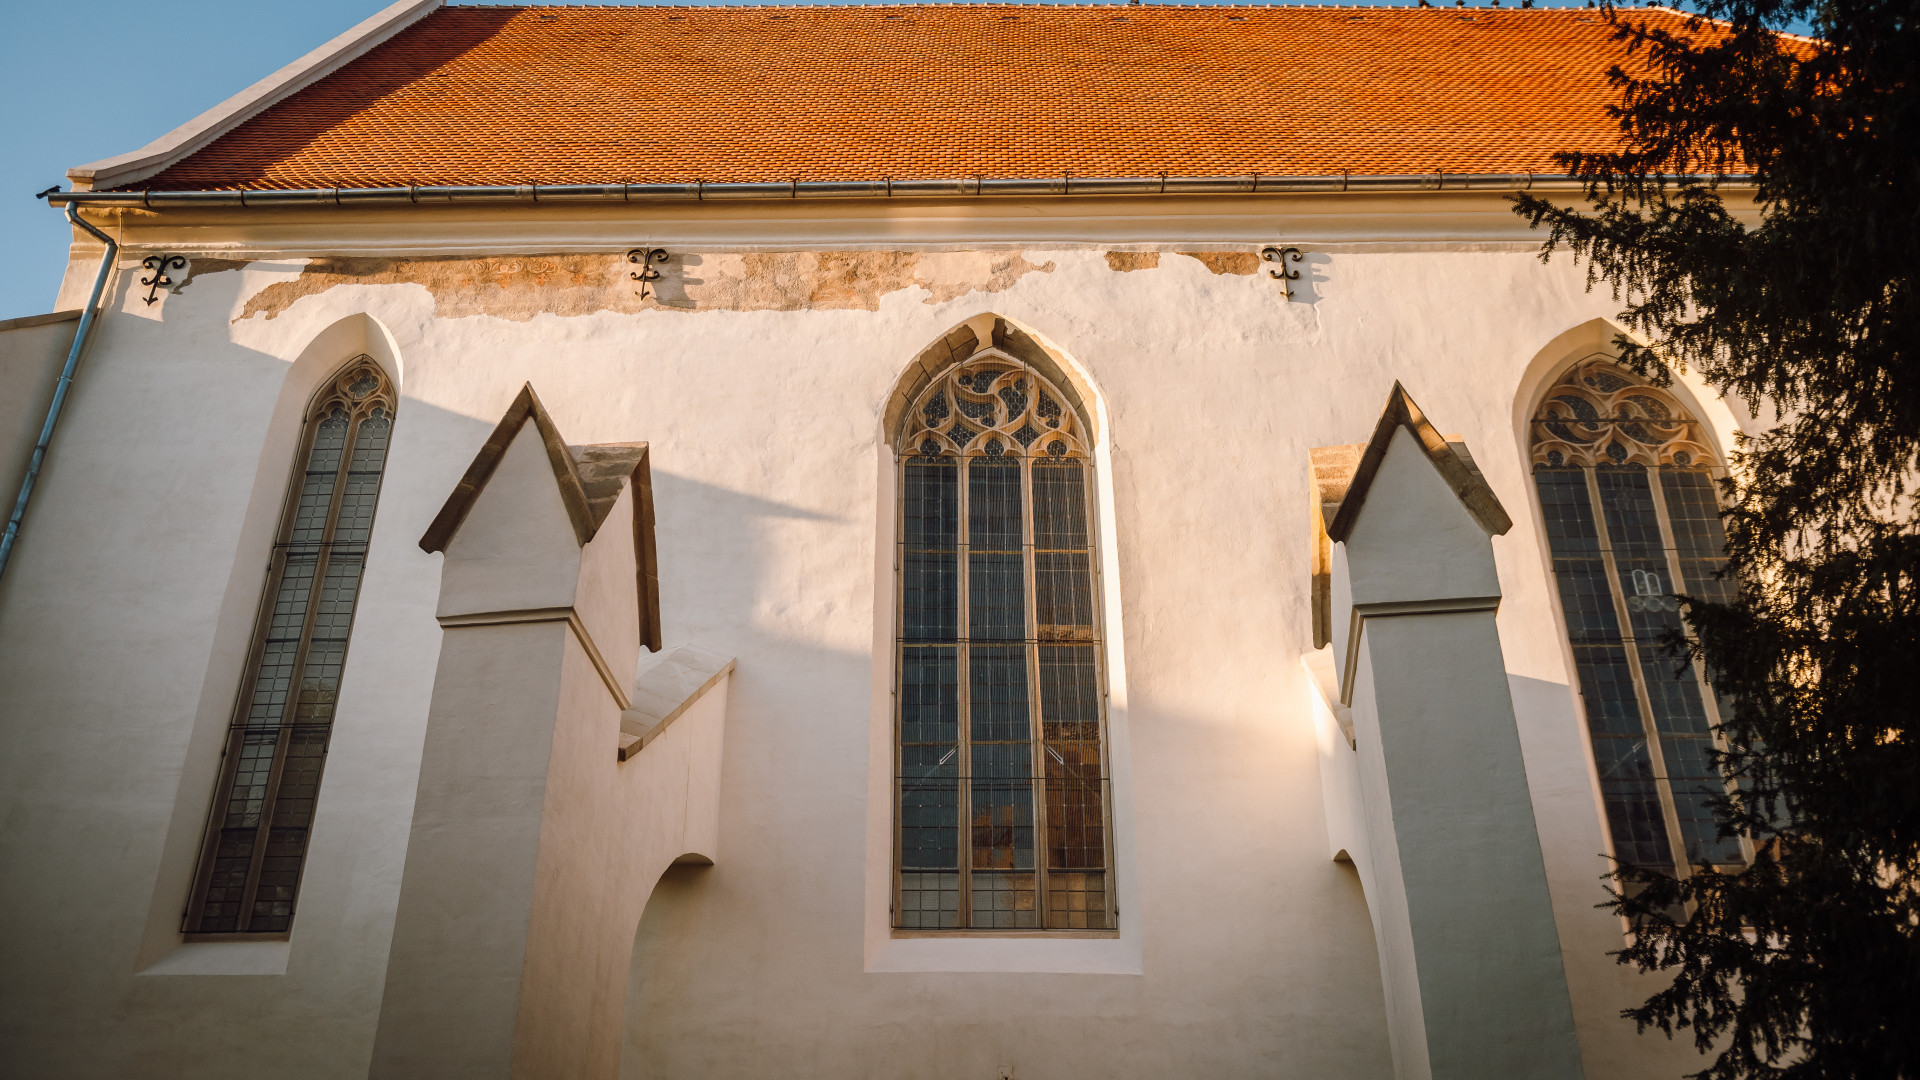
161 265
1281 255
646 257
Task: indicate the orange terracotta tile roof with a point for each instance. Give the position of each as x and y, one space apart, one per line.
491 95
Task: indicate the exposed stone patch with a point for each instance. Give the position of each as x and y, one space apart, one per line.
518 288
515 287
1226 262
1123 261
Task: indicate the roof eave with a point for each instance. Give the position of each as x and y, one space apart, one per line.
957 187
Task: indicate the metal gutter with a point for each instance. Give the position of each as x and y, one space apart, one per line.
964 187
60 389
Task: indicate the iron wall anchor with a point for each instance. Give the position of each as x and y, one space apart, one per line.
161 265
646 257
1283 255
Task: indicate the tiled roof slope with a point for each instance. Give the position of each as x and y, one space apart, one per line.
491 95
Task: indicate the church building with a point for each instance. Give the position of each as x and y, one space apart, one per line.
948 541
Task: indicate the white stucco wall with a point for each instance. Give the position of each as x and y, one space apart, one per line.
32 352
125 616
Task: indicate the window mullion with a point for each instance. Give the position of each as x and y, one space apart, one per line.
295 690
899 673
1036 729
1663 790
963 677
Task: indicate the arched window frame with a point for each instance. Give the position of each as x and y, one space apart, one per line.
254 848
1624 474
990 412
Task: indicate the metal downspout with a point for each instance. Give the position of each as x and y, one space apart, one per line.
60 390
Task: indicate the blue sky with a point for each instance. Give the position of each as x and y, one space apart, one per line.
90 81
87 81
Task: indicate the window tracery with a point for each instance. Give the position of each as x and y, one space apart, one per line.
1601 413
1624 475
991 405
256 839
1003 798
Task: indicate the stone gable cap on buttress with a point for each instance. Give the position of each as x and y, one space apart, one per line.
1450 457
590 477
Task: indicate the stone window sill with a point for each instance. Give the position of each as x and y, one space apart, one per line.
1041 952
204 957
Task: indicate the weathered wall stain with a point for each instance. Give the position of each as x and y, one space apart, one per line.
517 288
1225 262
1125 261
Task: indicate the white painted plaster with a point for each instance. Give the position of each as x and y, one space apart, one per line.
32 352
126 613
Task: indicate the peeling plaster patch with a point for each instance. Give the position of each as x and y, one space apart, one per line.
517 288
514 288
1123 261
1225 262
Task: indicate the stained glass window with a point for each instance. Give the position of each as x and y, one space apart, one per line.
256 843
1003 795
1622 471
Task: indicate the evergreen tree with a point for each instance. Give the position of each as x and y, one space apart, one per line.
1796 296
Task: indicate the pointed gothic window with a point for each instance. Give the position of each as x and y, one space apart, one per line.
1625 479
1003 799
256 839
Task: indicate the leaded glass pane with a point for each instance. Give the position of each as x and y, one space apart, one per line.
257 840
1059 506
1612 429
1699 536
1627 782
1004 902
996 571
999 702
929 901
930 567
1077 902
929 760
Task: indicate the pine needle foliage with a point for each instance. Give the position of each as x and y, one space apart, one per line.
1802 304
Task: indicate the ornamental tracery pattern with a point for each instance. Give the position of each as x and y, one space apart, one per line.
361 388
993 405
1602 414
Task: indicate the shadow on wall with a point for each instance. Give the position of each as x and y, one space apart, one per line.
757 960
675 912
1313 269
714 548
